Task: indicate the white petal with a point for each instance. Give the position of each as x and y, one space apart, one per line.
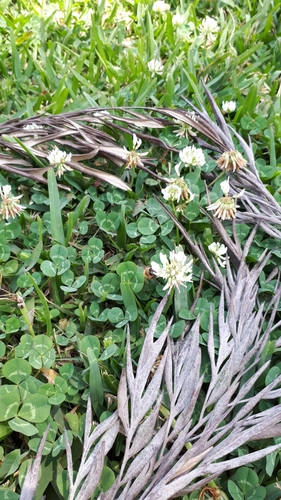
225 187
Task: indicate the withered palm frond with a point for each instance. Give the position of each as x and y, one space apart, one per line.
261 207
157 463
78 133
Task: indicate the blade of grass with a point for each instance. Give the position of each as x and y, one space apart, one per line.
55 209
44 304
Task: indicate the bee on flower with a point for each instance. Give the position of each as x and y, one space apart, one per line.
175 269
225 208
58 159
219 251
9 206
231 160
133 158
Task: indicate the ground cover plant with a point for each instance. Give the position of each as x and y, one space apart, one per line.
140 250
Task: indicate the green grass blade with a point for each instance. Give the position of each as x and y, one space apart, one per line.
55 209
45 306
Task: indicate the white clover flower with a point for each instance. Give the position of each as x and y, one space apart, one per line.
32 126
133 159
177 269
185 129
225 187
228 106
9 206
192 115
172 193
104 115
178 19
219 251
123 16
155 67
108 341
58 158
177 190
209 25
160 7
192 156
231 160
225 208
208 29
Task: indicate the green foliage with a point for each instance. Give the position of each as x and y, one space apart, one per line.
72 264
246 485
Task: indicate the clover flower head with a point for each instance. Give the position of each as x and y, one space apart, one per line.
208 29
9 206
209 25
178 19
186 194
58 158
177 190
192 115
107 341
155 67
231 160
186 129
228 106
225 208
192 156
172 192
101 116
133 159
160 7
32 126
219 251
123 16
176 269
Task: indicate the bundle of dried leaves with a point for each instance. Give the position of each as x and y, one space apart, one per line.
157 462
165 458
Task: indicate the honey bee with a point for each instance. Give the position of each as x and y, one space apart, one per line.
149 273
